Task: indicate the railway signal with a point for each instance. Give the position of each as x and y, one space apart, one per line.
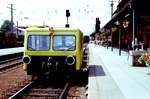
67 15
97 25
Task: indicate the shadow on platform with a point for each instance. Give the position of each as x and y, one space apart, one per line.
96 70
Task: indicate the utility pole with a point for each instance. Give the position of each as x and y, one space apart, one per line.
11 10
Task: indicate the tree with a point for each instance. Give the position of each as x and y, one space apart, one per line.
6 26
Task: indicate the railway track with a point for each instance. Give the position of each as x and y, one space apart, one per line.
10 56
56 89
10 60
31 91
10 63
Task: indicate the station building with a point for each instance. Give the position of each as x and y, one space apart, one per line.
129 27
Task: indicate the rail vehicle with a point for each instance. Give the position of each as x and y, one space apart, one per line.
52 50
9 40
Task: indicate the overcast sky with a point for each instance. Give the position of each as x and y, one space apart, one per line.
52 12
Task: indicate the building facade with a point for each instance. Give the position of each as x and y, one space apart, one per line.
132 20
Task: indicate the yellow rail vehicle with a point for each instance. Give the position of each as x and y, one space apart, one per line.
52 50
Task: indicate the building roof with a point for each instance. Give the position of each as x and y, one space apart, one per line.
120 12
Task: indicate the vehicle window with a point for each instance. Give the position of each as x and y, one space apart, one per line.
64 42
38 42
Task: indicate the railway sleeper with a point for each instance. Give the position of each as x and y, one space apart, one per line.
45 91
42 95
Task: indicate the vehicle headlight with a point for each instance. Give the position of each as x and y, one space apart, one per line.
70 60
26 59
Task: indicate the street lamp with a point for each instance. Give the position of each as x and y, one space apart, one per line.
132 6
119 27
111 37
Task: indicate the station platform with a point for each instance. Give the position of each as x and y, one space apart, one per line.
8 51
112 77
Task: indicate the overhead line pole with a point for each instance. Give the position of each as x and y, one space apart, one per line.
11 9
11 18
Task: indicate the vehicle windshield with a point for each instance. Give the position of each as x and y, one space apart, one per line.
38 42
64 42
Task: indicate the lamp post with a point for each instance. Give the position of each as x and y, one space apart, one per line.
111 38
133 29
132 6
119 27
119 40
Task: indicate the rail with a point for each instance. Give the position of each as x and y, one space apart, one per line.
57 93
21 92
64 91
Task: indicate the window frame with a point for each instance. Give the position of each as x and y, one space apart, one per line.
36 49
63 49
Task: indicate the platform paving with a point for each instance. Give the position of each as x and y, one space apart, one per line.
7 51
112 77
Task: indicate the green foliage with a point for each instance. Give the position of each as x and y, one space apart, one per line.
6 25
148 62
141 58
108 40
144 54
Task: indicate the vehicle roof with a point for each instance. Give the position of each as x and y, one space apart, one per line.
53 30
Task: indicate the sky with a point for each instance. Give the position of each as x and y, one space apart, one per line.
53 12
